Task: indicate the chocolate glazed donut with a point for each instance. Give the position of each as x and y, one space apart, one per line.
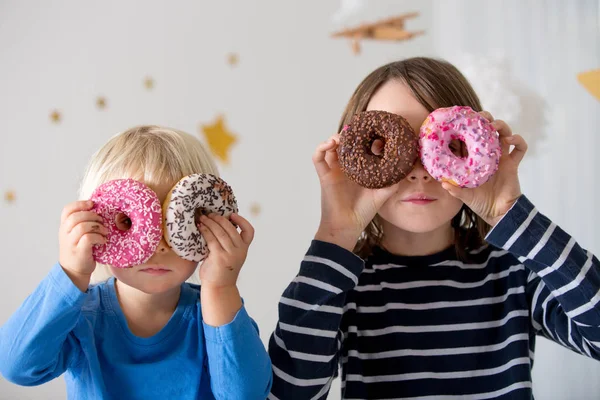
400 149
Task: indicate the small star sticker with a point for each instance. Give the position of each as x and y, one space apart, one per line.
255 209
233 59
219 138
55 116
10 196
149 83
101 103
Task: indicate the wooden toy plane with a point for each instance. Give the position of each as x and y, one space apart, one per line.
389 29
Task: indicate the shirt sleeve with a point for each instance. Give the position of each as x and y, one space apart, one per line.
238 363
564 280
36 343
307 340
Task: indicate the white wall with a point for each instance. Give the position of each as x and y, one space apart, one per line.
548 42
283 98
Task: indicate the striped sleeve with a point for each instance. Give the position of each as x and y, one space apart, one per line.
307 340
564 283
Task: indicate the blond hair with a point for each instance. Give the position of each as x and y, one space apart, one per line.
434 83
153 154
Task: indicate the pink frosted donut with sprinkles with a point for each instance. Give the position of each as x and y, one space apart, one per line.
132 214
191 197
443 126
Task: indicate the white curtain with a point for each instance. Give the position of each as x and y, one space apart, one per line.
546 43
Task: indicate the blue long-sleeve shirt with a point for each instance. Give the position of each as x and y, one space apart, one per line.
433 326
59 329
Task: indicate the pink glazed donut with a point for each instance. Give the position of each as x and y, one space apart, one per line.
132 213
459 123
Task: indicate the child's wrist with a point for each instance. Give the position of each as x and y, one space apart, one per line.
212 288
79 279
346 239
219 304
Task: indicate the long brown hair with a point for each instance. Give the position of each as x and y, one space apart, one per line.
435 84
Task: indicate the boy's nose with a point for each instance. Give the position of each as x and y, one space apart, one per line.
163 247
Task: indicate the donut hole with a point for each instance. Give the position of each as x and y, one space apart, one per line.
198 213
377 146
458 148
123 222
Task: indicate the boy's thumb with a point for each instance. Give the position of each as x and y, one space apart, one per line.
463 194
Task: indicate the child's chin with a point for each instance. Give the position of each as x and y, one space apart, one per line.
157 286
421 224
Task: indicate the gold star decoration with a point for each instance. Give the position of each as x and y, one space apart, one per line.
149 83
10 196
101 103
233 59
219 138
591 81
55 116
255 209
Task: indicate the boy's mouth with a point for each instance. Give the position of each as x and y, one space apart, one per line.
155 270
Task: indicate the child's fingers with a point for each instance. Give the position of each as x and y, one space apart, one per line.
504 132
247 230
487 115
85 228
319 159
76 206
502 127
81 216
465 195
228 227
520 149
218 231
331 155
383 194
87 241
211 240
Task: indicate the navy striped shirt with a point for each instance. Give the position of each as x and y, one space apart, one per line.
432 326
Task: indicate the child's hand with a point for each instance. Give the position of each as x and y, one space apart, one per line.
228 249
494 198
80 229
346 207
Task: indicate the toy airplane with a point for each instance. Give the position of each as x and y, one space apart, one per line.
390 29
